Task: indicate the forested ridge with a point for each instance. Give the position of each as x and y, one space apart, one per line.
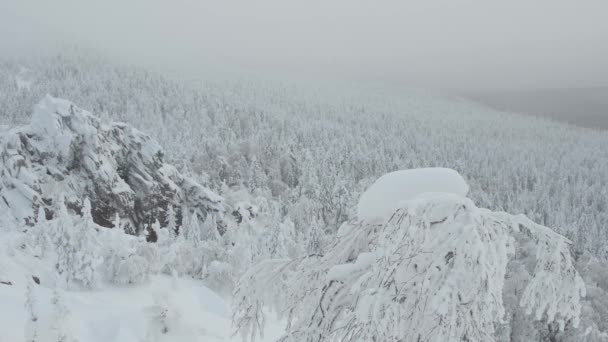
318 146
254 189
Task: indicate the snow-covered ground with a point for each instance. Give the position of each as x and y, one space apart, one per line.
110 313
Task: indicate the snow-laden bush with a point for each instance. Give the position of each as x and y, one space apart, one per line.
593 325
76 246
127 259
434 270
314 141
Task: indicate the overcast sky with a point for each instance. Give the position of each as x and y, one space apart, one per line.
455 44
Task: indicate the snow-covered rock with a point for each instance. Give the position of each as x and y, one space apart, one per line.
66 151
386 194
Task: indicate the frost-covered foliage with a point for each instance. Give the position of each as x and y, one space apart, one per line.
74 241
290 163
433 271
317 147
39 235
594 317
518 327
86 255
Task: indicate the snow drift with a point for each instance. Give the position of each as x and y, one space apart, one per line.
66 151
385 195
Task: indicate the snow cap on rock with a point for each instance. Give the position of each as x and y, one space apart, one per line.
385 195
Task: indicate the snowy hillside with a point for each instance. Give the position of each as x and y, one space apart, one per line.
317 146
353 213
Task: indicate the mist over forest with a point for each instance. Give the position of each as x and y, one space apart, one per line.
587 107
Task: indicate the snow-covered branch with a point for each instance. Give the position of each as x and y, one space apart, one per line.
433 271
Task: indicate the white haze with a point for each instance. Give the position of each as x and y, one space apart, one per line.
464 45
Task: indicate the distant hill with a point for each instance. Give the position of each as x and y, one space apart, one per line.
587 107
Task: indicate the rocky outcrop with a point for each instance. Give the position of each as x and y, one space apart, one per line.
66 151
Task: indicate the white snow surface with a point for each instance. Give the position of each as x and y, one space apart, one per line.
389 191
112 313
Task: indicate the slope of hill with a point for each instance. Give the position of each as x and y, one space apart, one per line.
317 146
290 162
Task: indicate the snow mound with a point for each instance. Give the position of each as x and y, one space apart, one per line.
66 150
384 196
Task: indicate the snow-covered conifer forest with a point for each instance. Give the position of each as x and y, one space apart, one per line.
138 205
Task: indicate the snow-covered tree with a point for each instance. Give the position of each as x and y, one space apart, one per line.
181 254
155 227
192 230
314 241
59 325
87 249
39 234
325 141
171 222
132 269
256 177
593 326
77 248
31 310
116 224
164 237
186 216
433 271
151 254
62 235
209 229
